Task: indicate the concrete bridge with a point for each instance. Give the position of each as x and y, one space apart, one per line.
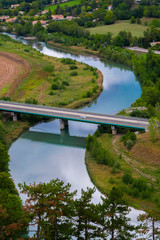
75 115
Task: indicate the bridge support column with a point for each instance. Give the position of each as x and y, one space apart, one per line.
114 130
63 124
14 116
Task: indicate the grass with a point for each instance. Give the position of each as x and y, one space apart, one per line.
135 29
141 162
69 3
38 83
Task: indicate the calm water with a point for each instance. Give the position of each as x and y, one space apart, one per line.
44 153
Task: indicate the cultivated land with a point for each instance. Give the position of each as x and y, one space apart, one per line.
70 4
30 75
13 69
143 161
136 29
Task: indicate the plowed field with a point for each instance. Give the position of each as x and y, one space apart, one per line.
13 69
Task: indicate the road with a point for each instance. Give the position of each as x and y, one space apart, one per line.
75 115
143 50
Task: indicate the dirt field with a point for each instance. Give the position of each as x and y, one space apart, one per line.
12 70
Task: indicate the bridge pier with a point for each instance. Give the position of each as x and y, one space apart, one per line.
114 130
63 124
14 116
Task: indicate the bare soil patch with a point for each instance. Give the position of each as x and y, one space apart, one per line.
13 69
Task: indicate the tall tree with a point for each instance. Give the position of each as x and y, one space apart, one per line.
86 217
151 224
115 222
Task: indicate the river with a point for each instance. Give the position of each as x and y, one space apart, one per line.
44 153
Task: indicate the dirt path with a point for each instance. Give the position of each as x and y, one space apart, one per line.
13 69
129 160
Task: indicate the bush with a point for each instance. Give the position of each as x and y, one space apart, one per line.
31 101
65 83
26 50
48 68
133 136
127 178
129 139
73 73
55 86
68 61
132 20
97 152
130 144
112 181
51 93
73 67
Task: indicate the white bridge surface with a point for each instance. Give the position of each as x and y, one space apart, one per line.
75 115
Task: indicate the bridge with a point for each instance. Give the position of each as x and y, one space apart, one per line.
75 115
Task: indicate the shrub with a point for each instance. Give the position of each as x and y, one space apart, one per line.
133 136
65 83
73 73
130 144
51 93
112 181
31 101
129 139
26 50
127 178
52 74
68 61
48 68
55 86
132 20
73 67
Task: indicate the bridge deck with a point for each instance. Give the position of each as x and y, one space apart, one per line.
75 115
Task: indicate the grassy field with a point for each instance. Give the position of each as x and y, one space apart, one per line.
135 29
47 71
141 161
70 4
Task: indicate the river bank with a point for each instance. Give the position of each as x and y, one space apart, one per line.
141 162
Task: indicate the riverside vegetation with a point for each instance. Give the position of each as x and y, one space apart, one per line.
55 211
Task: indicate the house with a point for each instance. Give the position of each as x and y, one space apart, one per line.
154 43
44 23
12 20
45 12
69 18
21 12
13 6
109 7
57 17
4 18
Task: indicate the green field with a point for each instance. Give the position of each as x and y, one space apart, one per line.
70 4
135 29
51 81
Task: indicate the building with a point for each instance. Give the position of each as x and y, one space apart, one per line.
109 7
45 12
13 6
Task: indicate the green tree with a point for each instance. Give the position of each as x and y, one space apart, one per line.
109 18
133 19
86 217
4 159
151 224
49 205
114 210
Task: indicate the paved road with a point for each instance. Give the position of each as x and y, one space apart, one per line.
143 50
75 115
